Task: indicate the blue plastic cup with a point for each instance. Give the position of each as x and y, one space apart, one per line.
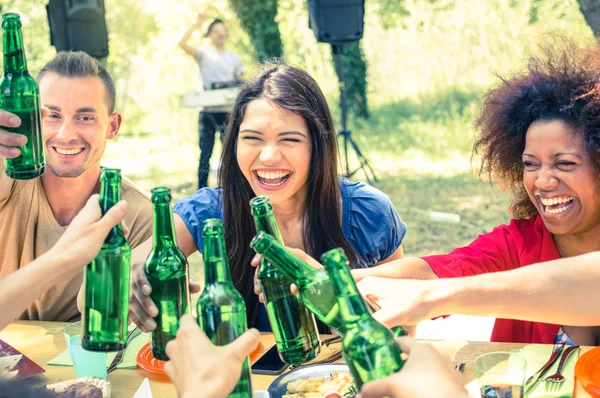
86 363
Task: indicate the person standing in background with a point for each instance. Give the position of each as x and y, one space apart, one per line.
219 68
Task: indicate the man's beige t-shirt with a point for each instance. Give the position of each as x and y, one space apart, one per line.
28 229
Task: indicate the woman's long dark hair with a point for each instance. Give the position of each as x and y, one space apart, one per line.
293 89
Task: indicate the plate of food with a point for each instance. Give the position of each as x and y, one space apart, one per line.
330 380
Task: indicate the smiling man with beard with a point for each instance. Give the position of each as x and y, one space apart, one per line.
78 99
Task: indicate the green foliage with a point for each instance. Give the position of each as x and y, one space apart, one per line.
355 78
36 34
258 20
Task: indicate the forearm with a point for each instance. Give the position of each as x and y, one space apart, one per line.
186 36
403 268
563 291
21 288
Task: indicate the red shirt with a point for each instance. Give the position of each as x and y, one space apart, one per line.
521 243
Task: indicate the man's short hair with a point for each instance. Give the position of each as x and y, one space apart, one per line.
80 64
212 24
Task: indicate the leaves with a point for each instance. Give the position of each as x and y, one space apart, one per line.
258 18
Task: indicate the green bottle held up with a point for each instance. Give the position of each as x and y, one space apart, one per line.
368 347
19 94
292 323
105 313
314 285
221 308
168 273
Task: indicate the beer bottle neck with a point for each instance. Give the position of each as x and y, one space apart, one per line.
352 305
216 264
110 194
266 222
14 52
290 265
164 235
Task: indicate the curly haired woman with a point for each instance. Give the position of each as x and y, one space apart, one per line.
539 134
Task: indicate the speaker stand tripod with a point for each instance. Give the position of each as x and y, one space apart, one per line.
345 134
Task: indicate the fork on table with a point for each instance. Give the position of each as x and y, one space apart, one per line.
557 377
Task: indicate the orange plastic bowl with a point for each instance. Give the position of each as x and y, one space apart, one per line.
147 362
587 371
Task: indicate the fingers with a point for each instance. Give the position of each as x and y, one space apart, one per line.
45 112
140 303
139 316
241 347
90 213
378 389
372 300
8 142
294 289
188 322
194 286
256 260
407 344
257 289
113 216
8 119
387 317
141 282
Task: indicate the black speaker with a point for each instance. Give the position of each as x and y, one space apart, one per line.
336 21
78 25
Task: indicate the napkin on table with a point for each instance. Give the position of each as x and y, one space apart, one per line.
129 357
536 355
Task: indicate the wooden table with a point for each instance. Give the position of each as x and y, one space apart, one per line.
42 341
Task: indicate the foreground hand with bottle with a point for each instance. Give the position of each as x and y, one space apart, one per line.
501 294
199 368
425 374
195 361
76 248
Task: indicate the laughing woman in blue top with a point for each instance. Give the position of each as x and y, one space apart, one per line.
280 142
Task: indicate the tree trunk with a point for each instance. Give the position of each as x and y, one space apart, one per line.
257 18
591 12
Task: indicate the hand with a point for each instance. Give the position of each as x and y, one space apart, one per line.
141 307
195 361
399 301
8 141
202 16
425 374
82 241
256 263
298 253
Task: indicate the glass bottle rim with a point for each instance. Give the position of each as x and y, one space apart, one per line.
212 225
161 194
334 256
111 174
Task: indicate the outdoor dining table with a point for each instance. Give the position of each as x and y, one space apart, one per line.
42 341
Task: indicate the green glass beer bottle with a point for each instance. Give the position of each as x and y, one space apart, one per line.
19 94
294 327
168 273
313 284
106 280
221 308
368 347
